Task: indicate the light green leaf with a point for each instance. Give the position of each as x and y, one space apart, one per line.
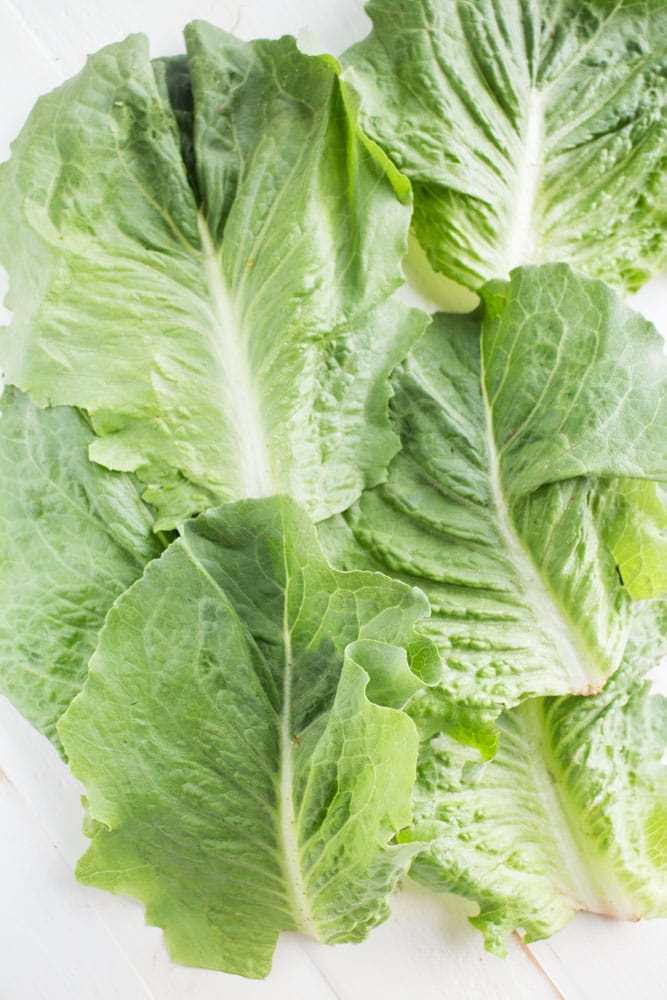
570 815
531 130
503 504
242 768
228 327
74 537
637 535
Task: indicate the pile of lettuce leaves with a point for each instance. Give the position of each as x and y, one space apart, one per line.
312 589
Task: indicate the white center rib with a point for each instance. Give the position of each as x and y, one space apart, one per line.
241 399
584 675
597 895
289 833
521 244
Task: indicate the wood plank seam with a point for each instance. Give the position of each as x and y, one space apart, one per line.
34 38
534 960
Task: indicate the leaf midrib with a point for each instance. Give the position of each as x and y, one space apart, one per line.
549 616
287 813
577 860
239 387
521 244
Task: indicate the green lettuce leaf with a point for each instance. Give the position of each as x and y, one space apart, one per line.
210 281
172 76
504 506
636 532
532 131
240 737
570 815
74 537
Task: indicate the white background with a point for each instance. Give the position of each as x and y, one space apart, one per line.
61 941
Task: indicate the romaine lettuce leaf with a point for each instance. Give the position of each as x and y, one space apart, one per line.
532 131
240 737
504 506
571 814
74 537
636 532
232 336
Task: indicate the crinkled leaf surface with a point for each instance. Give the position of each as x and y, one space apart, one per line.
571 814
532 130
240 737
74 537
502 504
210 282
636 532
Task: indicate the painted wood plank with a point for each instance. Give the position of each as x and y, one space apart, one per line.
27 69
651 300
595 958
70 29
427 949
54 944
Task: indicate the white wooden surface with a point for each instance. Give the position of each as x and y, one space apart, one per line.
61 941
